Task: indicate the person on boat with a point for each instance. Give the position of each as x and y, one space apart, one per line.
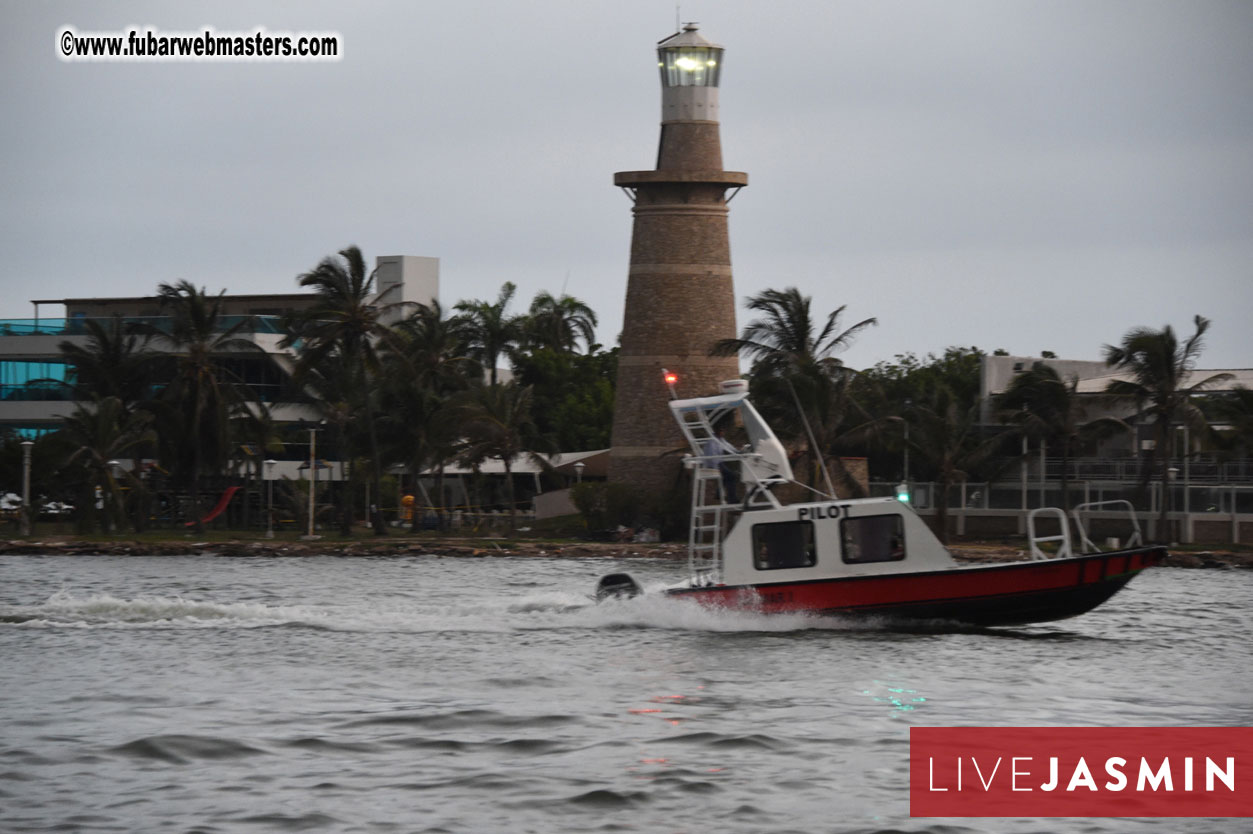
718 445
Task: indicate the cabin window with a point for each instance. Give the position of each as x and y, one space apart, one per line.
785 544
873 538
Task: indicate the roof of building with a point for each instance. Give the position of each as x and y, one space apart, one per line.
595 461
688 37
1238 377
281 296
1094 375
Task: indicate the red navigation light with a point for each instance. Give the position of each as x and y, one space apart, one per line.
670 379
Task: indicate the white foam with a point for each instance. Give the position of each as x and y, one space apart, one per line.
65 608
553 609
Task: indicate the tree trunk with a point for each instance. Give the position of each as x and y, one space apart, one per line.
1163 530
195 480
1066 475
941 510
415 521
346 495
513 507
376 516
248 493
441 513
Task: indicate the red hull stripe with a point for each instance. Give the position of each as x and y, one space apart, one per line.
951 586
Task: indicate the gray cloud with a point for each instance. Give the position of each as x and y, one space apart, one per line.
1020 175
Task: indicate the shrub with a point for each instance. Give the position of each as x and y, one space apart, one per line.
607 506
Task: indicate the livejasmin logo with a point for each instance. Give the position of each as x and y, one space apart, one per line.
1081 771
1081 777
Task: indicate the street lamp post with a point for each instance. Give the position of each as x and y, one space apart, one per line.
578 472
1172 474
905 476
313 474
27 445
115 466
269 503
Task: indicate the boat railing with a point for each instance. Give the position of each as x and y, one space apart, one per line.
1079 512
1062 537
714 463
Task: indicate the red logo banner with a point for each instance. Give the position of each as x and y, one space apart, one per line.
1081 771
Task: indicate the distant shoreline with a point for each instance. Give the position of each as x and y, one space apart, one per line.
494 548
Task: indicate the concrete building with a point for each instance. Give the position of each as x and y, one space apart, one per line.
33 398
680 299
1210 494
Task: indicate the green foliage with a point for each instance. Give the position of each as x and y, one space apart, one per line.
1048 409
1234 412
344 324
198 402
112 363
557 324
607 506
97 435
499 423
573 396
492 332
1159 368
910 376
803 390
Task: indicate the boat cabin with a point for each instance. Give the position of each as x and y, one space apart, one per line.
741 534
862 537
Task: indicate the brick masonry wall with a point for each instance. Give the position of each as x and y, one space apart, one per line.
680 302
690 146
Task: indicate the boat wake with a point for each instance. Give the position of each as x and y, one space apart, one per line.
65 609
542 611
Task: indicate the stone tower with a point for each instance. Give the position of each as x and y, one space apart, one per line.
680 298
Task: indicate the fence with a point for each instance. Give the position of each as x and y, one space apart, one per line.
1199 513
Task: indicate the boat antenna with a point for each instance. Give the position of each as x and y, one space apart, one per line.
813 444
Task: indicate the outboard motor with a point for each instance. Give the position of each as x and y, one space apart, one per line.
617 586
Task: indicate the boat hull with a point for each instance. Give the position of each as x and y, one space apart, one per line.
1007 594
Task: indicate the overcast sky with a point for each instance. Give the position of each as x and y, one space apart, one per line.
1027 176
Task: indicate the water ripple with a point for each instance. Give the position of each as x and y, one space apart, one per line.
402 695
180 749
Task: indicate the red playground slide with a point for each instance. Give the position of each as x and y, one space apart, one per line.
217 511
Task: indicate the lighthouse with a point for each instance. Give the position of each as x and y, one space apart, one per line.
680 299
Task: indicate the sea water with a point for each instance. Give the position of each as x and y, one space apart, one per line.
425 694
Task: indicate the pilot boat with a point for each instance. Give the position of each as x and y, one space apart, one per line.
866 556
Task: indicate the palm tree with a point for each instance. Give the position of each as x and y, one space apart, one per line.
1235 412
1160 383
498 424
256 431
559 323
492 331
1048 409
334 386
112 363
97 435
343 321
793 362
201 392
423 372
944 431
